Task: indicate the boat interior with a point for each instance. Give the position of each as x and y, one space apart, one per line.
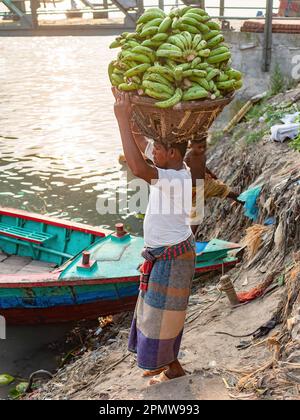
14 264
35 244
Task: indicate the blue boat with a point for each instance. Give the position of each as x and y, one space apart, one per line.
53 270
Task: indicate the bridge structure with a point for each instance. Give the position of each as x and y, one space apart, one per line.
27 17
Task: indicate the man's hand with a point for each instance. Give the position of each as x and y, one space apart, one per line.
122 106
132 152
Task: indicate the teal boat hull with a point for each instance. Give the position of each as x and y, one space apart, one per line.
106 283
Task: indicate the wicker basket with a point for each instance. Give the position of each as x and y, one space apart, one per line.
186 121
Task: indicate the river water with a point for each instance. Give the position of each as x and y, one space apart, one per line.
59 150
59 141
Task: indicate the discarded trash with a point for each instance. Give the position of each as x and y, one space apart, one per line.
282 132
249 197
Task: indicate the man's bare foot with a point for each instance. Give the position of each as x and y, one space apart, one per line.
148 373
175 370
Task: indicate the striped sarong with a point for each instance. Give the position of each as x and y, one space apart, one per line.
158 321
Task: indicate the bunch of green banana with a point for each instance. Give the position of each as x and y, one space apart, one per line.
180 56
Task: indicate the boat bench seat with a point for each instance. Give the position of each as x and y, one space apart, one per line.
16 232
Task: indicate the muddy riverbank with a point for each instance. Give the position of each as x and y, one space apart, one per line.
247 352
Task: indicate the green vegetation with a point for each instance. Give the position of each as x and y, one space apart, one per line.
295 144
238 134
215 137
255 136
277 82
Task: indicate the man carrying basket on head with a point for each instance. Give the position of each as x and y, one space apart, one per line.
169 252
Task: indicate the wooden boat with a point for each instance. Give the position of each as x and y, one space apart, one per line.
53 270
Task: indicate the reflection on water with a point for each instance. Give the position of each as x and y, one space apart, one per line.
59 149
59 141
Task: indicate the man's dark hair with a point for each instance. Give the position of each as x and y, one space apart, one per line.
182 147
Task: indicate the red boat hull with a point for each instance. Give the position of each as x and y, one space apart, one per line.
67 313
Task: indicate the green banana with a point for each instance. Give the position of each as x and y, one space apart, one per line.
150 43
158 87
130 44
168 46
215 41
223 77
139 27
184 10
116 79
219 58
195 62
184 66
155 77
184 40
115 44
160 37
202 44
154 22
128 86
173 55
189 28
196 40
141 68
212 86
165 25
234 74
141 58
132 35
111 68
195 73
148 32
134 79
178 73
123 54
219 50
144 50
199 18
238 84
156 9
202 66
216 94
175 12
178 41
194 93
204 53
189 39
150 15
163 71
189 21
203 28
203 83
174 100
125 64
212 74
174 23
228 85
171 64
214 26
199 11
118 72
210 35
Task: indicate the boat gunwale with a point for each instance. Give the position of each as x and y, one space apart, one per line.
51 279
53 221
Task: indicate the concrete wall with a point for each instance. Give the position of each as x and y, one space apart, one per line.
247 52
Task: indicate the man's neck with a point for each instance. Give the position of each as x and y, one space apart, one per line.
177 166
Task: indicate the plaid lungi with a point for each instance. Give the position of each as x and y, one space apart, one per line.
158 321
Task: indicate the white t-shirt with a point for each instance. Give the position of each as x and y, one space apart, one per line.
167 219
